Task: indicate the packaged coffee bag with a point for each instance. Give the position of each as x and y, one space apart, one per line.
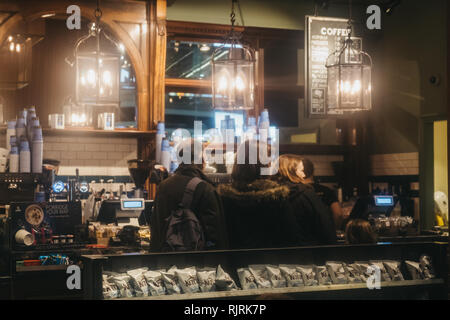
187 278
363 267
207 279
322 275
426 267
122 281
275 277
337 272
171 281
414 270
384 274
293 277
261 275
353 274
308 274
138 281
223 280
155 283
110 290
393 268
247 279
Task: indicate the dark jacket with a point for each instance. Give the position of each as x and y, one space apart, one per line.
206 205
313 219
256 214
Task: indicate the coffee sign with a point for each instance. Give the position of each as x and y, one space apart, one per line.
323 36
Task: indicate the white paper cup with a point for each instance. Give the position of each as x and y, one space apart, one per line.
24 237
4 153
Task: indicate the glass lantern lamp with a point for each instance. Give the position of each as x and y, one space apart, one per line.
349 85
97 71
233 73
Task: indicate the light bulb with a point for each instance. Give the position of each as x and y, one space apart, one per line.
107 78
18 47
223 83
91 77
356 87
11 46
240 85
10 38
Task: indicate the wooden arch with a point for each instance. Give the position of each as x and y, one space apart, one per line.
148 60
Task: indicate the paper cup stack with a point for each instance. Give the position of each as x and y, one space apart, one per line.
3 159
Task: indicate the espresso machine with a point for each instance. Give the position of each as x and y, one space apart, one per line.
127 210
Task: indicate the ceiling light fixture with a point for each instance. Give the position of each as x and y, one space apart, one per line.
233 73
349 80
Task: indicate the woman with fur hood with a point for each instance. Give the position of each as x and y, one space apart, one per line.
256 207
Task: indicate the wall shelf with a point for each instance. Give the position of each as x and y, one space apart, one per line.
90 132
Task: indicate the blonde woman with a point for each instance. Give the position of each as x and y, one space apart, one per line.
313 220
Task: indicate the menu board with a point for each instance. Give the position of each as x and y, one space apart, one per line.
323 36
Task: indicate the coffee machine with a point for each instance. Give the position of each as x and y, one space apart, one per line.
133 210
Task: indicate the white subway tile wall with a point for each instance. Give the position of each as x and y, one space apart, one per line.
92 156
394 164
322 164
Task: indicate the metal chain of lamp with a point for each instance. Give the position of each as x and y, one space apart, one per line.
349 83
97 71
233 72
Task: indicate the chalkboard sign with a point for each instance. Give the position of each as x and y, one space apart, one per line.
324 36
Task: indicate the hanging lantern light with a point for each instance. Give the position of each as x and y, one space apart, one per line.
97 71
233 73
349 81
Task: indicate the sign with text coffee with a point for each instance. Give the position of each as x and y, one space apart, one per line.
324 35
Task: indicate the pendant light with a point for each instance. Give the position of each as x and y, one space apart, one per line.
233 72
349 79
97 71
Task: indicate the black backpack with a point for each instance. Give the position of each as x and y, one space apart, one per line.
184 231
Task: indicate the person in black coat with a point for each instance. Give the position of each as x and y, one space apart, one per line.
313 223
206 205
255 207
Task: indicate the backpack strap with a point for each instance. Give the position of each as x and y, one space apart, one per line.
189 192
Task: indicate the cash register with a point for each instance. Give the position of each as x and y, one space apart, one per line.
374 205
129 210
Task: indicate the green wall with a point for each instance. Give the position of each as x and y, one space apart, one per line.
412 48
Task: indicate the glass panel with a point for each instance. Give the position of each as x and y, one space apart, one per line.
189 60
183 108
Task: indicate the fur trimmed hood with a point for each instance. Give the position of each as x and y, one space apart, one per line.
258 191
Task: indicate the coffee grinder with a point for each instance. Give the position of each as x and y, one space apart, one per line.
127 210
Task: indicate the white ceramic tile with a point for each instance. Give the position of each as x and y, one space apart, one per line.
60 146
107 147
77 147
92 147
52 155
122 147
115 155
84 155
69 155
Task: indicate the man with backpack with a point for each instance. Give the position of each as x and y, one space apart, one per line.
188 213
